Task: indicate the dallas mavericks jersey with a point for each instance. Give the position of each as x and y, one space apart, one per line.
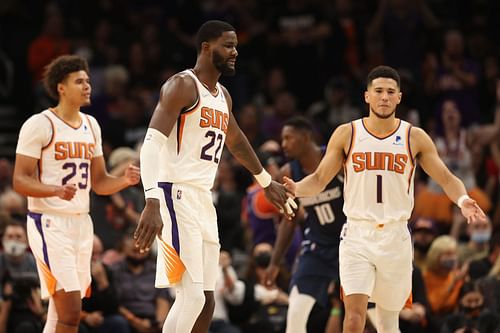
325 218
195 145
379 174
64 156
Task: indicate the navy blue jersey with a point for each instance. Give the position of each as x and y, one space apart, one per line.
325 218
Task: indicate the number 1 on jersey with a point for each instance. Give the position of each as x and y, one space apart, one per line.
379 188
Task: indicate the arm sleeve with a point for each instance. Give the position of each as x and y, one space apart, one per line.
150 150
96 129
35 134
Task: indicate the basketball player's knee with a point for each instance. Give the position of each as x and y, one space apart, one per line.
195 296
354 322
387 321
69 318
294 310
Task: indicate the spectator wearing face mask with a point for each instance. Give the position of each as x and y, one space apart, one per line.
21 309
481 267
423 231
473 316
264 307
144 306
443 278
477 247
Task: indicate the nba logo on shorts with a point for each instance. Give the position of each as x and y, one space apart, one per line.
179 194
47 223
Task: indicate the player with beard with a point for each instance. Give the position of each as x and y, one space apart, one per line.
379 154
179 160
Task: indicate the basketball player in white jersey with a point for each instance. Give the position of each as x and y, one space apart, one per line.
58 160
179 160
379 154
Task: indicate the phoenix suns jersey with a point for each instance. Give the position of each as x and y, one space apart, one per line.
194 147
379 172
64 156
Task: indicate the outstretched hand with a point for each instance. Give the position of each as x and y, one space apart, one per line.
472 212
289 185
279 196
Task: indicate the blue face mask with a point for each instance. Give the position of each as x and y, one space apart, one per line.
481 236
448 263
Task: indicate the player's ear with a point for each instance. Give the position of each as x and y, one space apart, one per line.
205 46
366 97
60 88
400 96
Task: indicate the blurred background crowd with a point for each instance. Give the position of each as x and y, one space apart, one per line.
296 58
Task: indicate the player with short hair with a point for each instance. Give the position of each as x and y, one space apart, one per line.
317 266
58 160
179 160
379 154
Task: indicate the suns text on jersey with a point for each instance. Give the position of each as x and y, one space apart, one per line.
66 149
214 118
379 161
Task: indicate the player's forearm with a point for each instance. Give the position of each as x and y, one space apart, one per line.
32 187
241 149
309 186
453 187
108 184
150 151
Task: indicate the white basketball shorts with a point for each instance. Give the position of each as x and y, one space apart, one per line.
376 260
62 246
189 240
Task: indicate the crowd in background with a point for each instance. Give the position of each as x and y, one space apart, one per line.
296 57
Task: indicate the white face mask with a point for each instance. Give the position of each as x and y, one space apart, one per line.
14 248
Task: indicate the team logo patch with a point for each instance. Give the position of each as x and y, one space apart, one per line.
398 141
179 194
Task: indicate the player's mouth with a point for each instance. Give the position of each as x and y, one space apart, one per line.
232 61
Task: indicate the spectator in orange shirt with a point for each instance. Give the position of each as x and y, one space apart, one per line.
442 277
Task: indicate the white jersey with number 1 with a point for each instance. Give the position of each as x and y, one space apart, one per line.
64 153
379 174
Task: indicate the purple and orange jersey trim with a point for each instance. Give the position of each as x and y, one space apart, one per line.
44 265
173 264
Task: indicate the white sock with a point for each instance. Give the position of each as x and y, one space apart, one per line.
51 323
387 321
188 304
299 308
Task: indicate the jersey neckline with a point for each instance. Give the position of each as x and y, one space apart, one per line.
51 110
380 137
205 86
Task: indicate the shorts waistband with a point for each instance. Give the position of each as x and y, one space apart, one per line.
34 213
167 186
376 225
